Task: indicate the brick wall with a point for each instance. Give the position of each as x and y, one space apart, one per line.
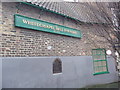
19 42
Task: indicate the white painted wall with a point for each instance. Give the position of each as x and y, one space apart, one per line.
36 72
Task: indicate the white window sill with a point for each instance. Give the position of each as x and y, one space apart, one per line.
57 73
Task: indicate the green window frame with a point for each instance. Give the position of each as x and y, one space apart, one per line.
99 61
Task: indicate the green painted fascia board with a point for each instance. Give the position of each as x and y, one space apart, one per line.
59 13
49 23
100 73
43 21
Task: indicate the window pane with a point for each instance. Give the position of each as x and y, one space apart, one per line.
100 62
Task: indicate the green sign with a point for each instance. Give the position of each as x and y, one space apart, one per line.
30 23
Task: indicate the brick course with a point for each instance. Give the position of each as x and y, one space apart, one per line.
19 42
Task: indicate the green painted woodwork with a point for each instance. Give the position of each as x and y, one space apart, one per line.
27 3
99 61
35 24
100 73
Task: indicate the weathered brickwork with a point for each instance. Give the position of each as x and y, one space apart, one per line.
0 27
19 42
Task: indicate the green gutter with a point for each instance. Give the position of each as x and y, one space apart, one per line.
49 10
57 13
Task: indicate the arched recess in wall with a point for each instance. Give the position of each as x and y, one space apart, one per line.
57 66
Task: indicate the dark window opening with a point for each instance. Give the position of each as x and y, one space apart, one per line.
57 66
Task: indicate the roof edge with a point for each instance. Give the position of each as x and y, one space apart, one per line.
50 11
36 6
